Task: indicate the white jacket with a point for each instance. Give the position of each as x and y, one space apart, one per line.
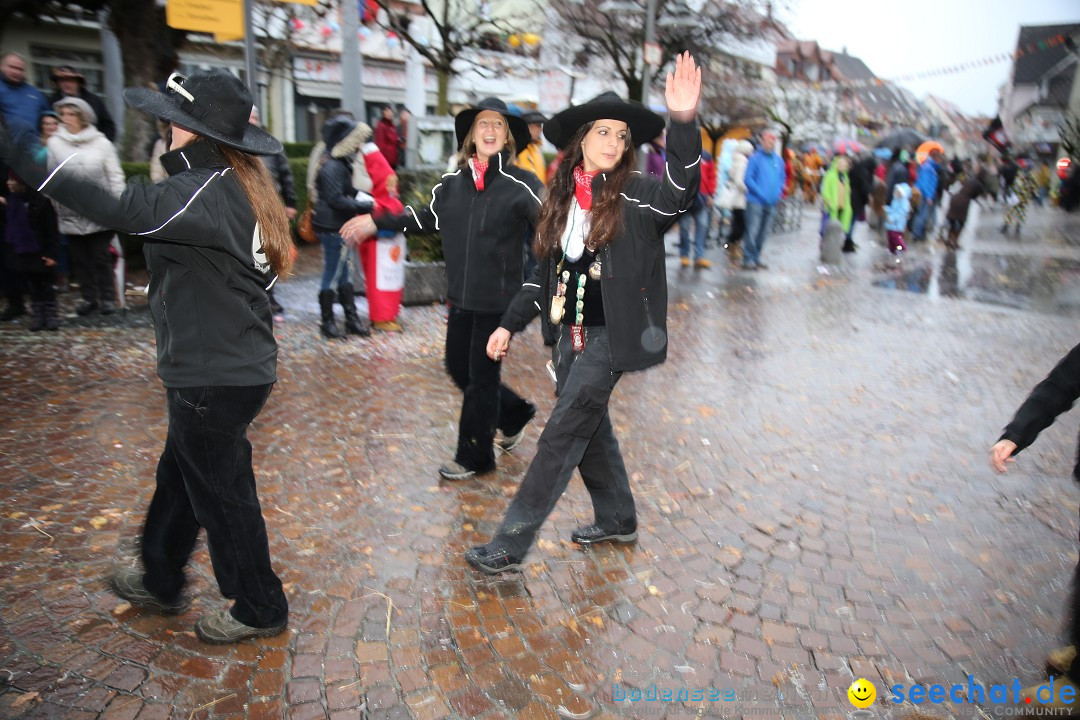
737 174
89 154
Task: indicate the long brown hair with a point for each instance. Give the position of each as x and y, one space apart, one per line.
606 214
266 203
468 148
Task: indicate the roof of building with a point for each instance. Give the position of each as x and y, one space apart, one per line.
849 67
1031 66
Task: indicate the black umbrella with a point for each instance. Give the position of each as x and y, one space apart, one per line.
902 138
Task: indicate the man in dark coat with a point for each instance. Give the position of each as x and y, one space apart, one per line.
387 138
862 179
69 82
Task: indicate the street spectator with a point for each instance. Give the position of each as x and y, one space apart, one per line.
87 153
483 269
159 148
336 202
281 174
1050 398
69 82
21 104
898 172
1041 176
48 124
404 118
927 184
862 184
600 290
387 137
1021 192
734 199
31 246
531 158
654 161
956 217
1008 170
217 355
896 218
698 216
764 183
812 166
836 194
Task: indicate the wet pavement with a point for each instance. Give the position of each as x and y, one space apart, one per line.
815 506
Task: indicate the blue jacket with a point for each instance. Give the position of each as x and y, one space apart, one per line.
896 212
22 104
764 178
927 180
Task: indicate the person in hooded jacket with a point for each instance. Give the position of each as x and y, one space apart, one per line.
336 203
601 292
482 210
216 238
84 149
69 82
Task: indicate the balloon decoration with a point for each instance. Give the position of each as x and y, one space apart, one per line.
297 24
531 39
514 40
326 31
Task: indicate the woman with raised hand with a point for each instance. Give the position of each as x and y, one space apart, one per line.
216 239
482 210
601 292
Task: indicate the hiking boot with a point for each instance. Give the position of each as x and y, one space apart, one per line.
127 584
592 534
221 627
685 261
455 471
508 442
702 264
387 326
491 560
1060 660
85 307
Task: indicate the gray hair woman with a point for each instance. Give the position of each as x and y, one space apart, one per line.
84 150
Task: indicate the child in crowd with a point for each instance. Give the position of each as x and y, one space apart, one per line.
896 217
31 245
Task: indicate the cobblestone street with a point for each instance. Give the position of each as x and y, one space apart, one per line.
810 468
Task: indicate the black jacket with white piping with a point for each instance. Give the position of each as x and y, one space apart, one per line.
482 231
634 283
208 272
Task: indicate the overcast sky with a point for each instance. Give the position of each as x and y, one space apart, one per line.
898 38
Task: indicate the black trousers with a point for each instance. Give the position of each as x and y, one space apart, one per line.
205 480
487 404
93 266
738 225
577 435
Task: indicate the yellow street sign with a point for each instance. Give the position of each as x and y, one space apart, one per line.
221 17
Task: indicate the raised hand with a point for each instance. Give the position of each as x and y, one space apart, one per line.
682 91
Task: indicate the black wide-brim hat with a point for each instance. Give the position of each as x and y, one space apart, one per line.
644 124
212 103
519 129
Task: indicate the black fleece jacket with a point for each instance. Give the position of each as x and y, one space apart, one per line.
1051 397
208 272
482 232
634 284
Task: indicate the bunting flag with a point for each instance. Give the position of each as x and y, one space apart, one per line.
1029 49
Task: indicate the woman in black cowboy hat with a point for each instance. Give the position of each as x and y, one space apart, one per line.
217 239
482 211
601 292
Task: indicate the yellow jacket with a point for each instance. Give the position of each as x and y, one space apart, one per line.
532 159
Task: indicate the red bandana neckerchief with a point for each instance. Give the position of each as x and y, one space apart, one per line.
478 170
583 186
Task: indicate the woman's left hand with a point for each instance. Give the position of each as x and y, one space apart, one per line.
683 89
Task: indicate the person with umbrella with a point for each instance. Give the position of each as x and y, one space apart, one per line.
927 184
601 292
216 238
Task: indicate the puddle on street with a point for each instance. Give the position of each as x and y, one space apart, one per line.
1037 283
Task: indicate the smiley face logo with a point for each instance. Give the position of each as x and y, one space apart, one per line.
862 693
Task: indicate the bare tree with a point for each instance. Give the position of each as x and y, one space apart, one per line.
618 35
459 26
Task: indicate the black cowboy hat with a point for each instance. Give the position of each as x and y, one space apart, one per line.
644 124
519 129
212 103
